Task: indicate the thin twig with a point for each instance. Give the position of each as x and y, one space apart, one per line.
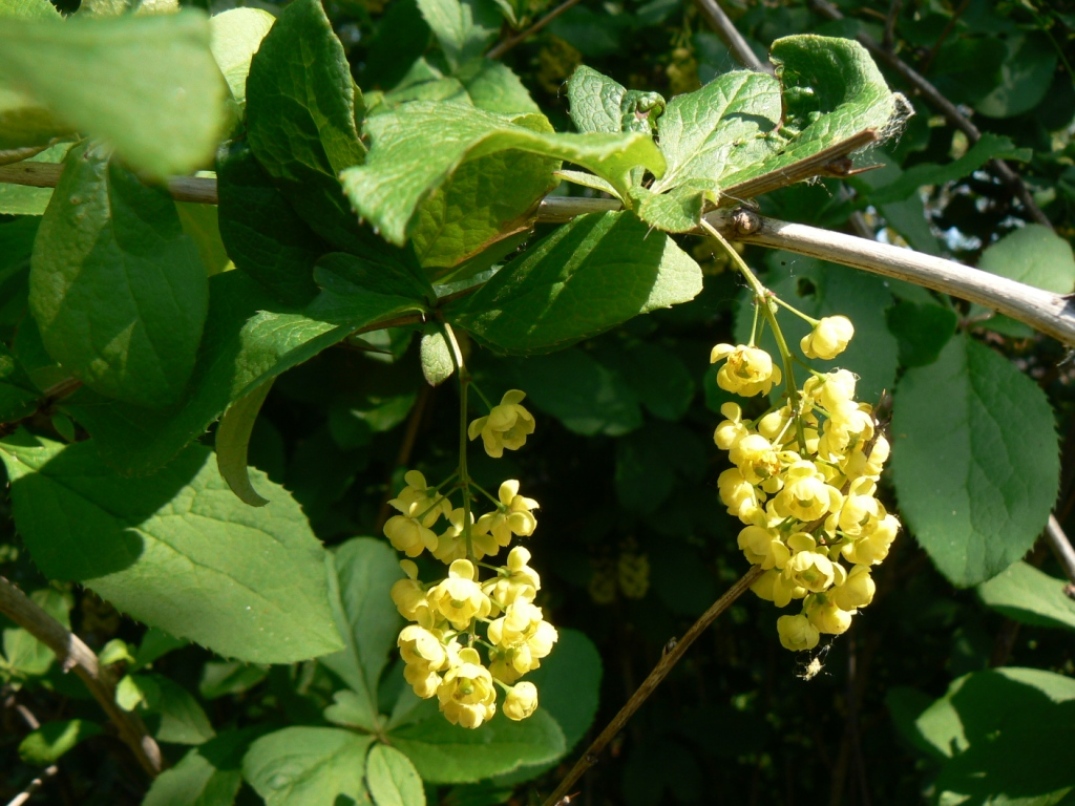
508 44
946 108
38 782
731 37
198 189
1061 546
1048 313
669 660
73 654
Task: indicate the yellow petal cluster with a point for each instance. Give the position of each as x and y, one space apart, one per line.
828 339
804 485
507 425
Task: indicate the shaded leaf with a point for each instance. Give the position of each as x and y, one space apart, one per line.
233 440
302 766
208 775
392 779
1029 596
47 743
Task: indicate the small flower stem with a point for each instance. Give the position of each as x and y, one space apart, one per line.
763 294
669 660
485 400
485 492
464 476
808 319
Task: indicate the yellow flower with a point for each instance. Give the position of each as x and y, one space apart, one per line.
730 431
797 633
857 591
806 496
409 596
739 495
521 701
515 581
422 648
756 458
748 371
409 535
452 545
810 570
507 425
419 501
773 587
872 548
513 517
459 598
826 616
763 547
829 338
467 695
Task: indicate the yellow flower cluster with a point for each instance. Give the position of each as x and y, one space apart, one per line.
804 484
440 647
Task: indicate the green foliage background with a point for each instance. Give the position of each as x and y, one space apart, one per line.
955 683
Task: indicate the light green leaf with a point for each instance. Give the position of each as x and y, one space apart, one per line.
172 714
974 460
1029 596
24 655
678 210
595 101
1006 735
164 105
234 38
392 779
1034 255
264 236
448 754
208 775
464 28
367 619
588 276
712 132
417 148
304 766
492 86
116 288
30 10
47 743
233 440
250 337
437 363
24 200
176 550
486 200
300 116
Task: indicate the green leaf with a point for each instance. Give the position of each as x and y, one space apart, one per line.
1029 596
30 10
651 460
24 655
18 397
1007 734
249 339
417 147
1034 255
486 200
922 330
176 550
208 775
714 131
47 743
587 277
595 101
350 284
579 391
657 375
235 36
367 619
492 86
172 714
464 28
264 236
1024 76
300 116
436 356
392 779
448 754
911 181
974 460
163 110
116 287
233 440
23 200
302 766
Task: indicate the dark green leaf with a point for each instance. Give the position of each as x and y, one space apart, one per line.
301 118
417 147
208 775
249 339
392 779
448 754
1024 76
264 236
46 744
232 441
587 277
172 714
1029 596
18 397
651 460
304 766
164 105
367 619
176 550
117 289
974 460
922 330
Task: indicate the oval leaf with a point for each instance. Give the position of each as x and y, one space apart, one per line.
392 779
975 460
233 440
1027 595
302 766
